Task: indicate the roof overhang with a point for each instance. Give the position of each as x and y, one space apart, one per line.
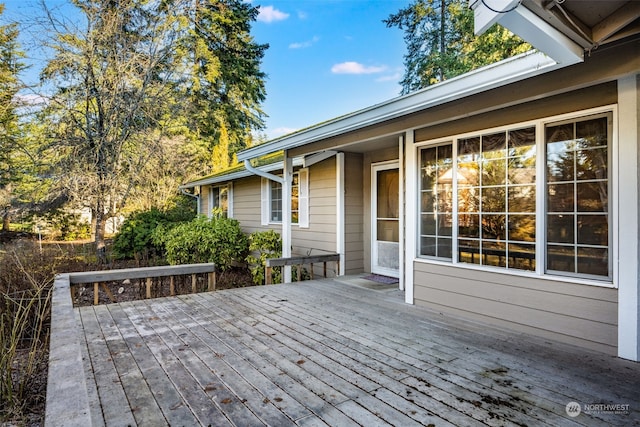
242 173
501 73
513 15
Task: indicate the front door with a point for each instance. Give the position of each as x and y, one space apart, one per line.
385 219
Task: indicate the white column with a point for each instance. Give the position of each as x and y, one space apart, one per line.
411 211
401 213
287 174
340 211
628 217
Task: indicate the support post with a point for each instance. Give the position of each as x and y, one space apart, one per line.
96 293
149 281
172 285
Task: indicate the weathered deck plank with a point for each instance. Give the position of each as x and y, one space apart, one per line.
323 353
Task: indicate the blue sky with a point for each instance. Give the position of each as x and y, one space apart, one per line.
326 57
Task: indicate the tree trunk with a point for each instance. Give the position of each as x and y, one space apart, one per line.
100 222
94 222
6 220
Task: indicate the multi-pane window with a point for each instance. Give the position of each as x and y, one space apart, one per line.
436 200
219 200
478 199
496 199
275 200
578 219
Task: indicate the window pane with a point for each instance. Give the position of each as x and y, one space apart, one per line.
561 258
469 149
560 228
428 202
522 142
591 164
522 228
560 198
468 174
469 251
593 230
522 198
428 246
445 222
444 247
469 225
468 199
560 162
428 225
592 196
494 172
494 146
522 170
593 261
494 253
522 257
493 199
592 133
494 227
388 230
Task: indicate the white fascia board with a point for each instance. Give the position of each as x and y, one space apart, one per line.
529 26
489 77
238 174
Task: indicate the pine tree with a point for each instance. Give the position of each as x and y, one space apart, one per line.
441 44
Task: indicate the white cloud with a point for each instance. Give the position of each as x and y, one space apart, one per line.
301 45
268 14
352 67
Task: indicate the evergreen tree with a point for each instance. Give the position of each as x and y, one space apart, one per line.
226 85
441 43
13 163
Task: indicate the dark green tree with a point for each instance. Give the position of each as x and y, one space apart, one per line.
441 43
226 85
14 156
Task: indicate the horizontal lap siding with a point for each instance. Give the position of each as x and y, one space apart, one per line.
320 237
576 314
354 214
246 205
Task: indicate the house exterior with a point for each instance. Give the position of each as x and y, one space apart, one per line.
508 195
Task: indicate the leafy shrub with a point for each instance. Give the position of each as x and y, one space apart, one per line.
218 240
68 226
262 246
138 237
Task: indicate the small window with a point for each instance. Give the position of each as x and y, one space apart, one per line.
272 200
219 200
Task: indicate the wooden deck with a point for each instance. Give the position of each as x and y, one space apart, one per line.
328 353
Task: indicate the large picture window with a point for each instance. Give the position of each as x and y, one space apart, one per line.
479 198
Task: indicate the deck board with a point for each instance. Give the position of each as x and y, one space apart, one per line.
325 353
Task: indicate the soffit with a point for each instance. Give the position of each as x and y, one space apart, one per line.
589 23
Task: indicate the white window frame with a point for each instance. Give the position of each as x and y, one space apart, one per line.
540 183
303 200
211 202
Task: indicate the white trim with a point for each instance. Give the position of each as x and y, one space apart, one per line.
287 177
507 71
230 199
411 209
303 198
340 211
375 167
312 159
401 213
628 217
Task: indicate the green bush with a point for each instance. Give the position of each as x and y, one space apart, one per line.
262 246
141 235
218 240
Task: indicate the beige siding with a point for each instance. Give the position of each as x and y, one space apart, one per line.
573 313
354 214
204 199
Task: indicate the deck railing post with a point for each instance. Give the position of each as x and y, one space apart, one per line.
172 285
193 283
96 293
212 281
267 275
149 287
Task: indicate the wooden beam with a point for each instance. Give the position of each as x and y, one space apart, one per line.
96 293
139 273
615 22
149 287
